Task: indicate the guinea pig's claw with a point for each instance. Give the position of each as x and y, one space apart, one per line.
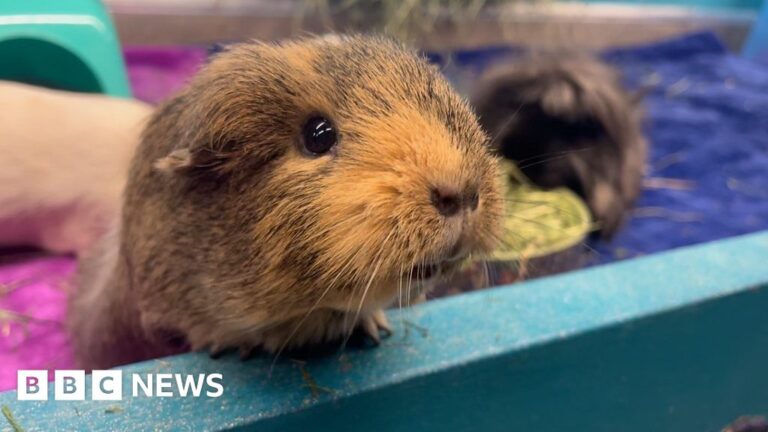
381 320
376 323
246 352
422 298
215 353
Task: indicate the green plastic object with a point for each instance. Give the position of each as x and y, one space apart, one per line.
63 44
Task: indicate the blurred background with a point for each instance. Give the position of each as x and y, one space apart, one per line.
704 102
704 108
435 24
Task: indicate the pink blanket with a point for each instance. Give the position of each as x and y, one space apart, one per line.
32 289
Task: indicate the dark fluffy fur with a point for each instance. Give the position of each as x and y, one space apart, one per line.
231 236
567 121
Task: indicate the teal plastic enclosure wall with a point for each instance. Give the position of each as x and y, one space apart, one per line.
676 341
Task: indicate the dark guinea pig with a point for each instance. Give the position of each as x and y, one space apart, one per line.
568 121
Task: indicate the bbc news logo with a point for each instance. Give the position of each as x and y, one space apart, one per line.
107 385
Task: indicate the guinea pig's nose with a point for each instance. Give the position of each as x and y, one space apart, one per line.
448 201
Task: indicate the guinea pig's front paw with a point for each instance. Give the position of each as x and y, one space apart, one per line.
374 324
324 326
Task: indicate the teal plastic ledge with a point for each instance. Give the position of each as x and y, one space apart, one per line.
676 341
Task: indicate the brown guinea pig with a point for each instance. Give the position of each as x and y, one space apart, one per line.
285 197
567 121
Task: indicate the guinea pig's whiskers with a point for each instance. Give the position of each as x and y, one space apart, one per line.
506 244
419 277
408 288
297 327
547 157
589 248
406 292
541 156
493 274
502 129
379 260
356 277
486 273
544 204
400 290
537 222
592 251
342 270
360 305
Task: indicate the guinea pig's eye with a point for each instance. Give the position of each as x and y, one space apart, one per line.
319 135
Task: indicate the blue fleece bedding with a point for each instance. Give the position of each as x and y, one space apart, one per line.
707 121
710 114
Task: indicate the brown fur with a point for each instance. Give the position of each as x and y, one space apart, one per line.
231 236
567 121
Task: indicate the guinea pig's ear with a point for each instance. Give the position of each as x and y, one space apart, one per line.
177 160
197 160
218 48
198 146
637 96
